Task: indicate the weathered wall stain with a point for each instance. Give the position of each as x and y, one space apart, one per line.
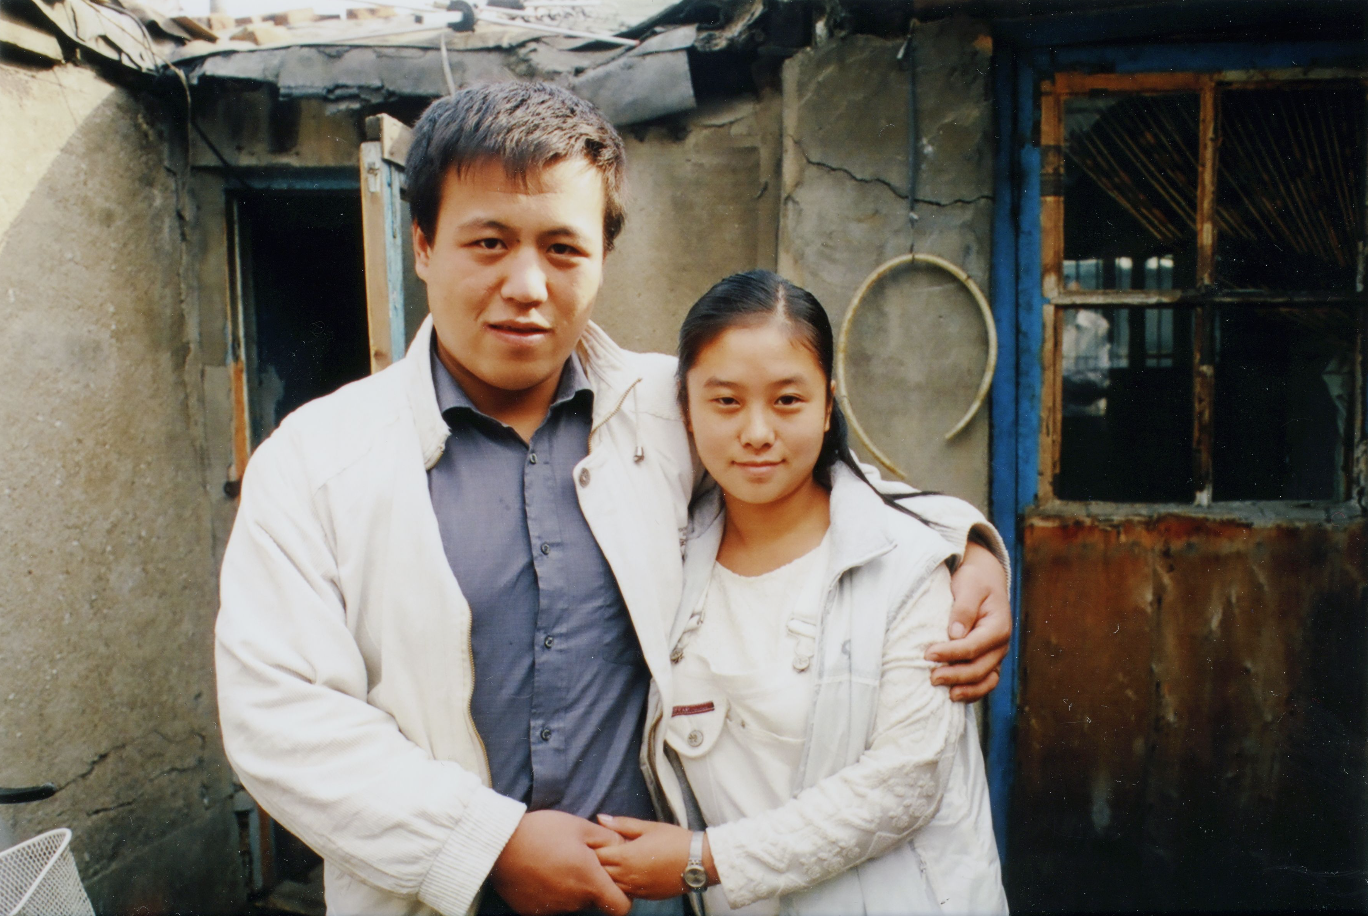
107 579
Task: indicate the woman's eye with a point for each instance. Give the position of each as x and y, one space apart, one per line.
789 400
725 402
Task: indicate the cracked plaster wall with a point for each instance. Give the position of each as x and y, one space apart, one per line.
918 346
702 203
107 577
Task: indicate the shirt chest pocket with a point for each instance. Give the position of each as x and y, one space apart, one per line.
696 720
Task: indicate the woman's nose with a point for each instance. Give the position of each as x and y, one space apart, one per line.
757 431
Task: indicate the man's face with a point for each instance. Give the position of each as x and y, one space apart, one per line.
512 272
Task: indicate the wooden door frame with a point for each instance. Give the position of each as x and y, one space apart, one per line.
1024 55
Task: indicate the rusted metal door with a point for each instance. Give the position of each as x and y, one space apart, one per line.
1192 693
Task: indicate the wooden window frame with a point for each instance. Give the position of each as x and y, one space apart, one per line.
1204 298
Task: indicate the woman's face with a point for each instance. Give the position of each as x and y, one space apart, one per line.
759 407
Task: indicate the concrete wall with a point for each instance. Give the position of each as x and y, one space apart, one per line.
107 579
918 346
702 203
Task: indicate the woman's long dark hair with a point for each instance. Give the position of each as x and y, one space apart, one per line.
752 298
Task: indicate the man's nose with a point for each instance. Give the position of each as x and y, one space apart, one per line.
526 279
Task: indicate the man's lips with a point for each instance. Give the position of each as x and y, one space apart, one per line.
521 332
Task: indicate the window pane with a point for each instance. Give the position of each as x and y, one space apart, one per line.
1130 192
1289 190
1127 406
1284 387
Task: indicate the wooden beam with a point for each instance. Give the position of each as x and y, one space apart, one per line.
374 236
1052 213
1207 143
394 136
1203 399
1084 83
1051 402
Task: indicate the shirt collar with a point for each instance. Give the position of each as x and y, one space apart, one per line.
451 396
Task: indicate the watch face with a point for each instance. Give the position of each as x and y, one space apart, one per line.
696 877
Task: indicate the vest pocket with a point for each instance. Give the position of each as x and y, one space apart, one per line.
695 720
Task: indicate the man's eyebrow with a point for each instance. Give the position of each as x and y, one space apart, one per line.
478 223
562 232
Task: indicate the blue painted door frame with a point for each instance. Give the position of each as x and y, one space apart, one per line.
1024 53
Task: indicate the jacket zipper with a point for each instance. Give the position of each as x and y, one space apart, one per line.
612 413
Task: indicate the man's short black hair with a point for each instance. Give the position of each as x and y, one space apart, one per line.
526 127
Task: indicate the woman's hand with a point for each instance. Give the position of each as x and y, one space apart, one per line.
650 865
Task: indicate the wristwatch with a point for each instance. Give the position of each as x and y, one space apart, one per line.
695 875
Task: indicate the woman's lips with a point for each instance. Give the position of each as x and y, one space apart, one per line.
756 468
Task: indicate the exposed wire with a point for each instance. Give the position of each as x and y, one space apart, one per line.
446 66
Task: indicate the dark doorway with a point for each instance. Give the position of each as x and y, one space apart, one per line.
303 299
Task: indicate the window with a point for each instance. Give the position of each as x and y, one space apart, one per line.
1201 244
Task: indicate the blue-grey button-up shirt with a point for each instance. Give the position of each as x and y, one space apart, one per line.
560 681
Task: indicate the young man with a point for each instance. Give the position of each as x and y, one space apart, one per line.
449 584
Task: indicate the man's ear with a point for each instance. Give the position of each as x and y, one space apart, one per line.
422 251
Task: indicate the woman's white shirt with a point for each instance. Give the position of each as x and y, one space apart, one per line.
742 660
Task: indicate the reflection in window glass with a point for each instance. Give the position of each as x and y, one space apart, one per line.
1130 191
1284 386
1289 187
1126 431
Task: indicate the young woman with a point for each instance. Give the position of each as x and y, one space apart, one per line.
800 725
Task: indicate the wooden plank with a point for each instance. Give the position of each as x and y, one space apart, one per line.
1051 397
1051 193
395 138
195 28
1113 298
237 353
1203 397
1207 144
1052 282
395 226
373 236
21 35
1084 83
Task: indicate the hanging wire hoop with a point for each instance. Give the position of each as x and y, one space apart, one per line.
843 339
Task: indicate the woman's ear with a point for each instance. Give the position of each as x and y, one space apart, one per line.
831 402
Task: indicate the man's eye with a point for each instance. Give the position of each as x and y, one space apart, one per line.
563 250
489 244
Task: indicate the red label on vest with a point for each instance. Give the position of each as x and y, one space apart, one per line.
693 710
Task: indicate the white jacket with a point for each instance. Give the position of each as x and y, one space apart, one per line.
889 810
343 640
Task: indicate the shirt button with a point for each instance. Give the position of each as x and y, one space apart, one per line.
545 549
584 477
548 641
695 738
532 458
546 734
